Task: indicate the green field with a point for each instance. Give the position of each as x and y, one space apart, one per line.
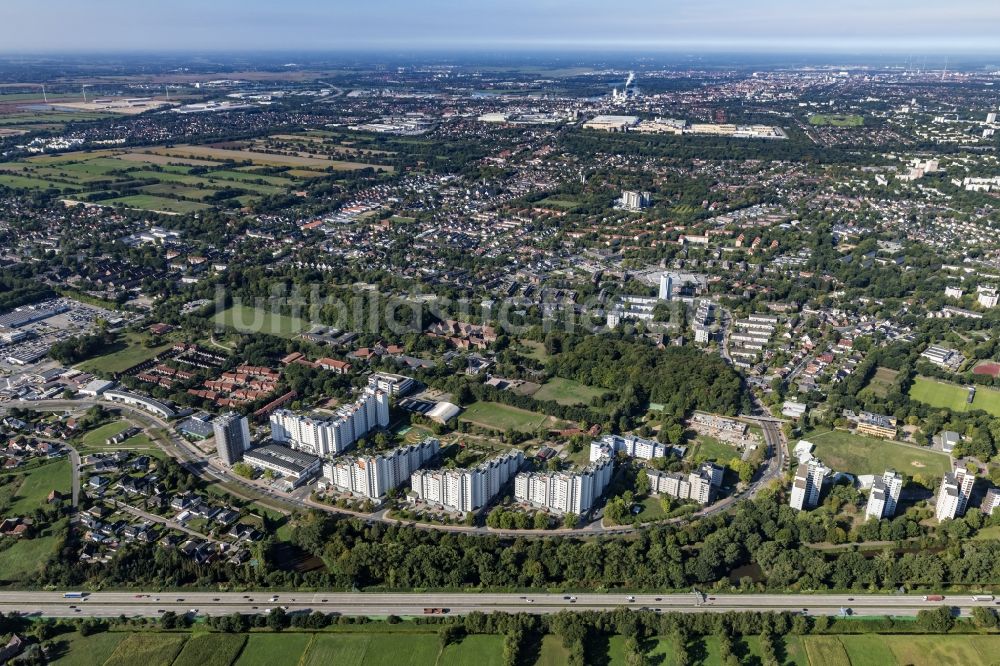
500 417
97 436
954 397
710 448
76 650
535 350
131 352
211 650
567 392
881 382
147 649
26 557
837 120
247 319
552 653
476 650
856 454
273 649
372 650
36 484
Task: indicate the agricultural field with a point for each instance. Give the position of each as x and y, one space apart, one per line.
500 417
837 120
273 649
568 392
477 650
148 649
371 649
211 650
247 319
954 397
177 180
76 650
856 454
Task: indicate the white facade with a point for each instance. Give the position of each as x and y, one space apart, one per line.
807 485
884 496
953 496
698 486
331 436
565 492
631 445
374 476
232 437
466 489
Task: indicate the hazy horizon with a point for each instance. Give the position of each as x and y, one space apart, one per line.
918 27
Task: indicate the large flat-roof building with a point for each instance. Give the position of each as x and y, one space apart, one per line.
631 445
297 467
954 493
373 476
465 490
565 492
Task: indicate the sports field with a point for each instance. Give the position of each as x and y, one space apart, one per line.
710 448
954 397
247 319
567 392
855 454
500 417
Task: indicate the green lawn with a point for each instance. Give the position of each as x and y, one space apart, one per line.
500 417
535 350
247 319
954 397
552 653
826 650
567 392
881 381
132 353
98 436
26 557
867 650
154 203
273 649
147 649
475 650
76 650
211 650
837 120
710 448
856 454
38 482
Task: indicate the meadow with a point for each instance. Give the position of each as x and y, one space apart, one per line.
855 454
567 392
837 120
500 417
954 397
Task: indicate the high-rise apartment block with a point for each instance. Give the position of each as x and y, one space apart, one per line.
565 492
954 493
232 437
375 475
630 445
807 485
466 489
884 495
325 436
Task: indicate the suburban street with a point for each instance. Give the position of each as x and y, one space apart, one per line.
97 604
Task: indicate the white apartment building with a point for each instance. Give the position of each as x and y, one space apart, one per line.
807 485
698 486
565 492
374 476
884 495
465 489
631 445
390 383
325 436
953 496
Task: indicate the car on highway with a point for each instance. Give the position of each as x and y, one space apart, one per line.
530 601
215 598
630 599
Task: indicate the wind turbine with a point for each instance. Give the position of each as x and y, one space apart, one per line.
84 88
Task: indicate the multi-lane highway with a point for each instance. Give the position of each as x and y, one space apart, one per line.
152 604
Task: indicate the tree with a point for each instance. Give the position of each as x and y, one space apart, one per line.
571 520
938 620
541 521
277 619
642 485
244 470
984 618
450 633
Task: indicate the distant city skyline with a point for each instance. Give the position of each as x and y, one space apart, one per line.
889 26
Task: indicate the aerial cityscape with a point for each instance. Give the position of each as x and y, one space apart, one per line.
442 333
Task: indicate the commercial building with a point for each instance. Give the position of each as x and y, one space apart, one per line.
793 410
953 496
565 492
698 486
612 123
151 405
631 445
332 435
807 485
873 425
375 475
296 467
884 495
232 437
465 489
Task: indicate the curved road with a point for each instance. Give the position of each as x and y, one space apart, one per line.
195 462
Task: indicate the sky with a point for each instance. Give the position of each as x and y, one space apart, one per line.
869 26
